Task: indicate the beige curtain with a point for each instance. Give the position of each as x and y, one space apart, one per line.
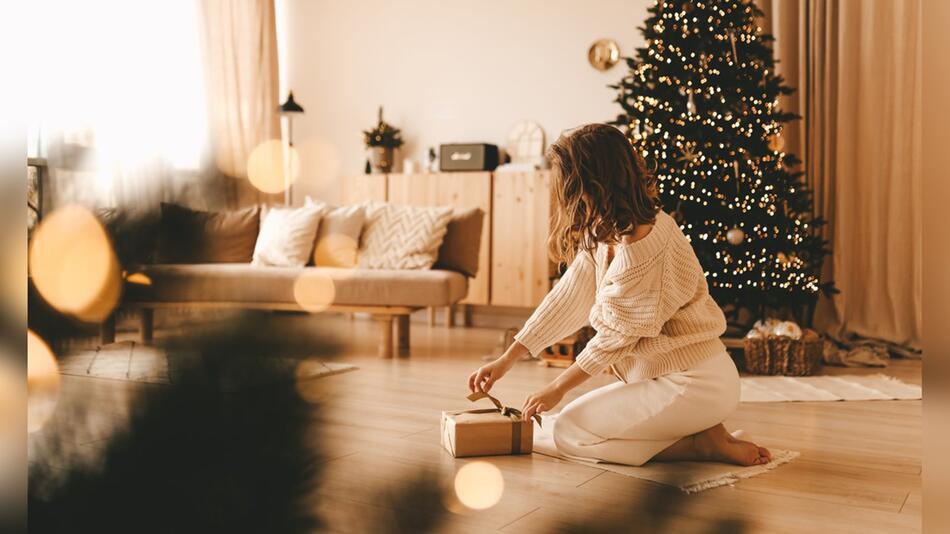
856 65
240 44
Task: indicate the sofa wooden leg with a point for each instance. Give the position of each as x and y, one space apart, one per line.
431 311
402 335
466 315
449 316
107 330
385 336
147 324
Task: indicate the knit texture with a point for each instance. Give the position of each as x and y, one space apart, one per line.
650 307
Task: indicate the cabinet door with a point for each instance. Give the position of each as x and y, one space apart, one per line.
364 187
461 190
521 271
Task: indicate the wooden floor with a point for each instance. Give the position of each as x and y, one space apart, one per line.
859 469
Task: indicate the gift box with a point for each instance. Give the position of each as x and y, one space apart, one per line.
487 432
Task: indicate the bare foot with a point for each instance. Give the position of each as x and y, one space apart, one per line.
715 445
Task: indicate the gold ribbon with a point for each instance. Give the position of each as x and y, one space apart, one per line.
512 413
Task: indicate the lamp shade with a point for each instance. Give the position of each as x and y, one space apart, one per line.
291 105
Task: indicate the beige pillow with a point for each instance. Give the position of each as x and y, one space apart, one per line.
338 238
402 237
287 236
459 250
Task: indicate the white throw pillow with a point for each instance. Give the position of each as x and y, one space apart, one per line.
402 237
339 236
287 235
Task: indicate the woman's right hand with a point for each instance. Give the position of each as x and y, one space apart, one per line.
486 376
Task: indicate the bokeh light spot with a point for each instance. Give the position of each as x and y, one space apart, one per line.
139 278
42 379
314 291
479 485
272 167
336 250
74 266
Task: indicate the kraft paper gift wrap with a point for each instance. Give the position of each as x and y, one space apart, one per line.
487 432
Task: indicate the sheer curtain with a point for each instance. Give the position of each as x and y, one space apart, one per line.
142 102
856 64
120 102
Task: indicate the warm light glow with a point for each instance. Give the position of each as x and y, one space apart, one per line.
273 167
479 485
338 250
139 278
314 291
42 379
73 265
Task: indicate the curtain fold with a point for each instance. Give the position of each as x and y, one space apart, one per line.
241 72
856 65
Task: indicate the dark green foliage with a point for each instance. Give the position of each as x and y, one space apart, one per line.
225 448
700 102
384 134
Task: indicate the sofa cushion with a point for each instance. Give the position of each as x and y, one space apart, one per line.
191 236
459 250
244 283
287 236
402 237
338 238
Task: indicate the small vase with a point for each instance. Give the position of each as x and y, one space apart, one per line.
381 158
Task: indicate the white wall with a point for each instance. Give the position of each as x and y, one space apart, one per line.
445 71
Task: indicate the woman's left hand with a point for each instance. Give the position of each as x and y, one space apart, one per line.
542 401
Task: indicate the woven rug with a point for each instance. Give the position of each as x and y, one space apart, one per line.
826 388
128 360
690 477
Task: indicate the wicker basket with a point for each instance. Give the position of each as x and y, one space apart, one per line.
780 355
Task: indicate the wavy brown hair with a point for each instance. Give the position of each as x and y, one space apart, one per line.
602 188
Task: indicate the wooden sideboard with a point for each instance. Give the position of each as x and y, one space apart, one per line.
514 269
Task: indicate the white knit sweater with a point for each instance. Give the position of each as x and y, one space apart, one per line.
650 307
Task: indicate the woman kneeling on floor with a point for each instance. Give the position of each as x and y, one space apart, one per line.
634 276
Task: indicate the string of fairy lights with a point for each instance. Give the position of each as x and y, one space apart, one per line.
701 101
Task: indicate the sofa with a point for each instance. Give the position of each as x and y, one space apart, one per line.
389 295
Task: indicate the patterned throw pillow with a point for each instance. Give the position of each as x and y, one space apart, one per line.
402 237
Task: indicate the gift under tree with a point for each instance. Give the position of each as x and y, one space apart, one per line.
700 102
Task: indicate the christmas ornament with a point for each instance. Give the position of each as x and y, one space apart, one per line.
782 259
735 236
776 142
691 104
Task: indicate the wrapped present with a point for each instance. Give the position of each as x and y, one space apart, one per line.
487 432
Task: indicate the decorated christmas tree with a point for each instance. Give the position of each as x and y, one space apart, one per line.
700 102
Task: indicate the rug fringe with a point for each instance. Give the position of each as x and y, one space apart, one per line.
736 476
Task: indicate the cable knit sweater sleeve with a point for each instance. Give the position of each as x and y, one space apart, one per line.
635 302
565 308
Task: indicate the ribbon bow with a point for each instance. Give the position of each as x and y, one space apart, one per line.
513 413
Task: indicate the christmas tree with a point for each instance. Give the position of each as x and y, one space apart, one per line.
700 102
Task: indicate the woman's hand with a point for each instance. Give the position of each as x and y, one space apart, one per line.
542 401
549 397
486 376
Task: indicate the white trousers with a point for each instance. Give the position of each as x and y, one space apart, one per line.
630 423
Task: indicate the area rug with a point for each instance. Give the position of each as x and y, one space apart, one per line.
128 360
826 388
690 477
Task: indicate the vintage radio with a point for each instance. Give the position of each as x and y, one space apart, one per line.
468 157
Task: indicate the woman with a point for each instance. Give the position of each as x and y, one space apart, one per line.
634 276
